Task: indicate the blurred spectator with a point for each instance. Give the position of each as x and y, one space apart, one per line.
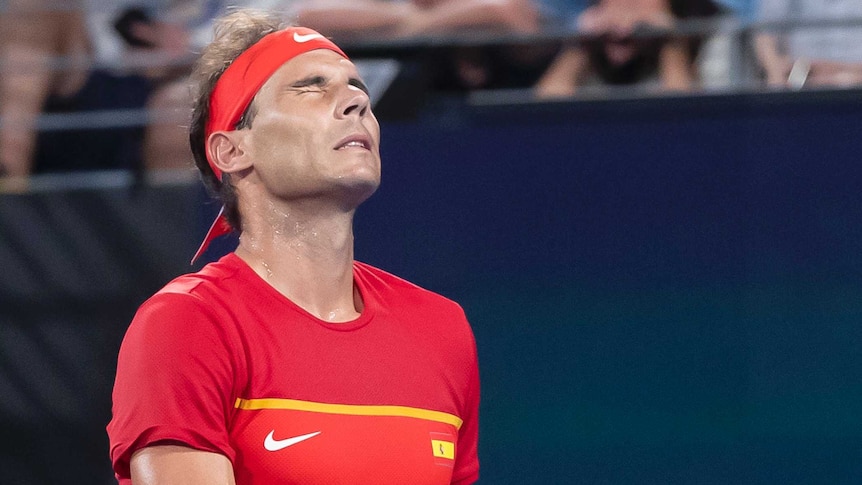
404 18
455 67
171 37
32 35
153 40
81 56
615 49
814 55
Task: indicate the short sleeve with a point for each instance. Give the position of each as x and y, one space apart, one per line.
174 382
467 462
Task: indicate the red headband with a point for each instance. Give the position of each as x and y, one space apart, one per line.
241 81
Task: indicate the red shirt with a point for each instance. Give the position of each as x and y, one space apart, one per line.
220 361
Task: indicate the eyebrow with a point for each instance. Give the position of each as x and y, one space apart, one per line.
321 81
309 81
356 82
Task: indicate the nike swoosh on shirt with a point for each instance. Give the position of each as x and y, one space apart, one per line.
272 444
300 38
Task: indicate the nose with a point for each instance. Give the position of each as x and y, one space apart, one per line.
355 103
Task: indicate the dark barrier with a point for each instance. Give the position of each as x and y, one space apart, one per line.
662 291
74 265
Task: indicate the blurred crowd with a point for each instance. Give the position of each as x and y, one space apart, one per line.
127 60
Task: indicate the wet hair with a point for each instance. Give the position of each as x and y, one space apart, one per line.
234 33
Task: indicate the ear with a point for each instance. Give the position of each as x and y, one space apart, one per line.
227 151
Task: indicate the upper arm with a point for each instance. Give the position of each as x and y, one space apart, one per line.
175 378
156 465
564 74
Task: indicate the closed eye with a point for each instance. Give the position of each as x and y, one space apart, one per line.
357 83
321 82
311 81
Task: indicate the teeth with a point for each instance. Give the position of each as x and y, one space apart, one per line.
354 144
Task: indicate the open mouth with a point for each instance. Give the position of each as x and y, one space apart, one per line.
354 142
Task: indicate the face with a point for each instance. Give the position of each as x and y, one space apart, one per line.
313 135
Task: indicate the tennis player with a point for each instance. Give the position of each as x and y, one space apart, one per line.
287 361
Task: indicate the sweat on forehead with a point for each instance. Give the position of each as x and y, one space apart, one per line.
240 82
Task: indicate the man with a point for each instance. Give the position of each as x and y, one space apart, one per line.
614 55
287 361
32 35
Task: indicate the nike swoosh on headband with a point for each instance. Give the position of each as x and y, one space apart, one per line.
303 38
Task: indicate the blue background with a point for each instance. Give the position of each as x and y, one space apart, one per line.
662 291
666 290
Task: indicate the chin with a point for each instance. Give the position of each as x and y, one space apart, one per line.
359 189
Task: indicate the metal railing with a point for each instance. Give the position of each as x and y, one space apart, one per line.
736 31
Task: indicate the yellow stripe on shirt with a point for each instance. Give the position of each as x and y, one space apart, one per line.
349 409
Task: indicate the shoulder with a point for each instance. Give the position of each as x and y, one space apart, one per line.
214 282
192 302
393 286
212 277
426 312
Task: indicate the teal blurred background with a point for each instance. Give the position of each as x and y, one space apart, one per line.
663 291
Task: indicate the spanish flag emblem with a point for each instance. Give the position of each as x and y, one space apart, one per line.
443 449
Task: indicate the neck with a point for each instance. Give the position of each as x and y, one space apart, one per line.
307 258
